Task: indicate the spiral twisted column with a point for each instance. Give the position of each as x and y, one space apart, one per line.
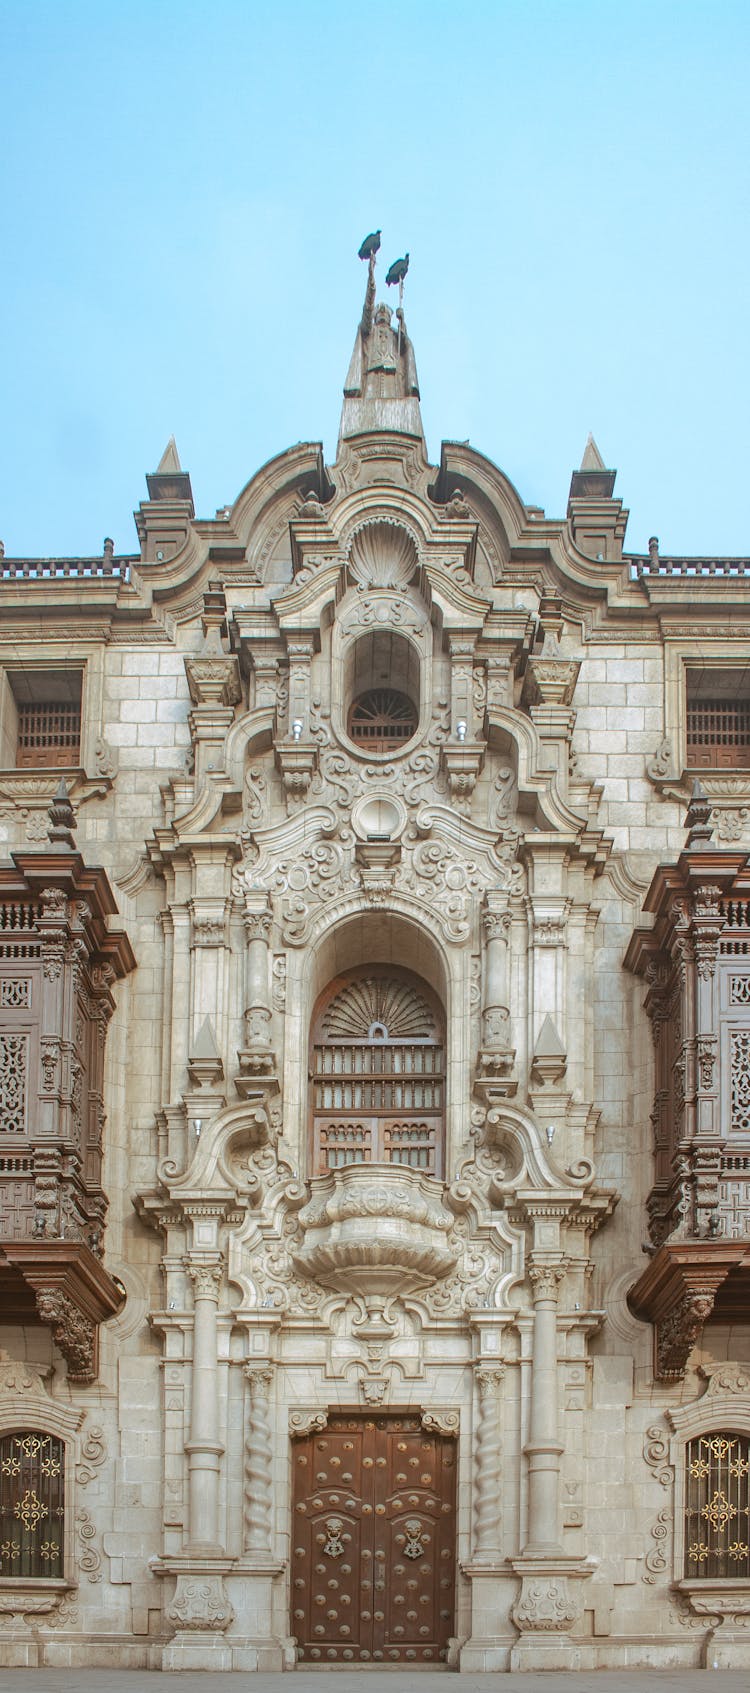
488 1463
258 1462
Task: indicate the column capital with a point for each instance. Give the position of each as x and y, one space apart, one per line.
259 1377
545 1278
488 1379
205 1275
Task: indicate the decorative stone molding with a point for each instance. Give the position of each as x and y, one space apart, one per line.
436 1421
307 1421
462 765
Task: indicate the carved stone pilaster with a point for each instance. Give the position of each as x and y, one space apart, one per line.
495 1078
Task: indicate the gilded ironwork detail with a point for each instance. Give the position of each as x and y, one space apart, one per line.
717 1506
32 1505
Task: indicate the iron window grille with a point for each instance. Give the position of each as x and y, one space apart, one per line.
32 1504
717 1507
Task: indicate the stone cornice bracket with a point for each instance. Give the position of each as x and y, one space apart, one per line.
462 764
297 762
550 680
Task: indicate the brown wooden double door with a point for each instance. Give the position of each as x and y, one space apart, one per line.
373 1541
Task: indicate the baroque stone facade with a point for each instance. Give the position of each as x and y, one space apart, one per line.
383 1252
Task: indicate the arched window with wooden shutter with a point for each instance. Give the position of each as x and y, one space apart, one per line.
378 1072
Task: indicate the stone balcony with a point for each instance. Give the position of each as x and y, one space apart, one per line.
375 1229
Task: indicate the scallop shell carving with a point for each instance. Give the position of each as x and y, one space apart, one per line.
382 555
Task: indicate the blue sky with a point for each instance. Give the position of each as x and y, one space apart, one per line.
185 184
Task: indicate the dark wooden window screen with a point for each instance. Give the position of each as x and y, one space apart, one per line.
49 734
378 1076
718 734
32 1504
717 1507
382 719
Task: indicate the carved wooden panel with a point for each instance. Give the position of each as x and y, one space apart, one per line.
373 1542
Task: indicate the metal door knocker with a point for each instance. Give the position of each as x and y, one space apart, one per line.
413 1547
334 1546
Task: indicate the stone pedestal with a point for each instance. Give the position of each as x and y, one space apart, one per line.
201 1612
254 1646
545 1611
492 1637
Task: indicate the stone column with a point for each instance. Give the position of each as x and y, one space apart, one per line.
488 1467
258 1462
495 1013
204 1448
257 921
543 1447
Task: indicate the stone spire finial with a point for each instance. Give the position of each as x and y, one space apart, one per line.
592 458
697 819
62 820
169 463
169 482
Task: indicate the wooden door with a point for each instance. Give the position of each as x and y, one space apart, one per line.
373 1541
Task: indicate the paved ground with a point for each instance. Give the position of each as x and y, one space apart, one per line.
373 1681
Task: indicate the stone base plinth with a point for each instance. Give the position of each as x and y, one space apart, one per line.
545 1652
190 1650
489 1644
